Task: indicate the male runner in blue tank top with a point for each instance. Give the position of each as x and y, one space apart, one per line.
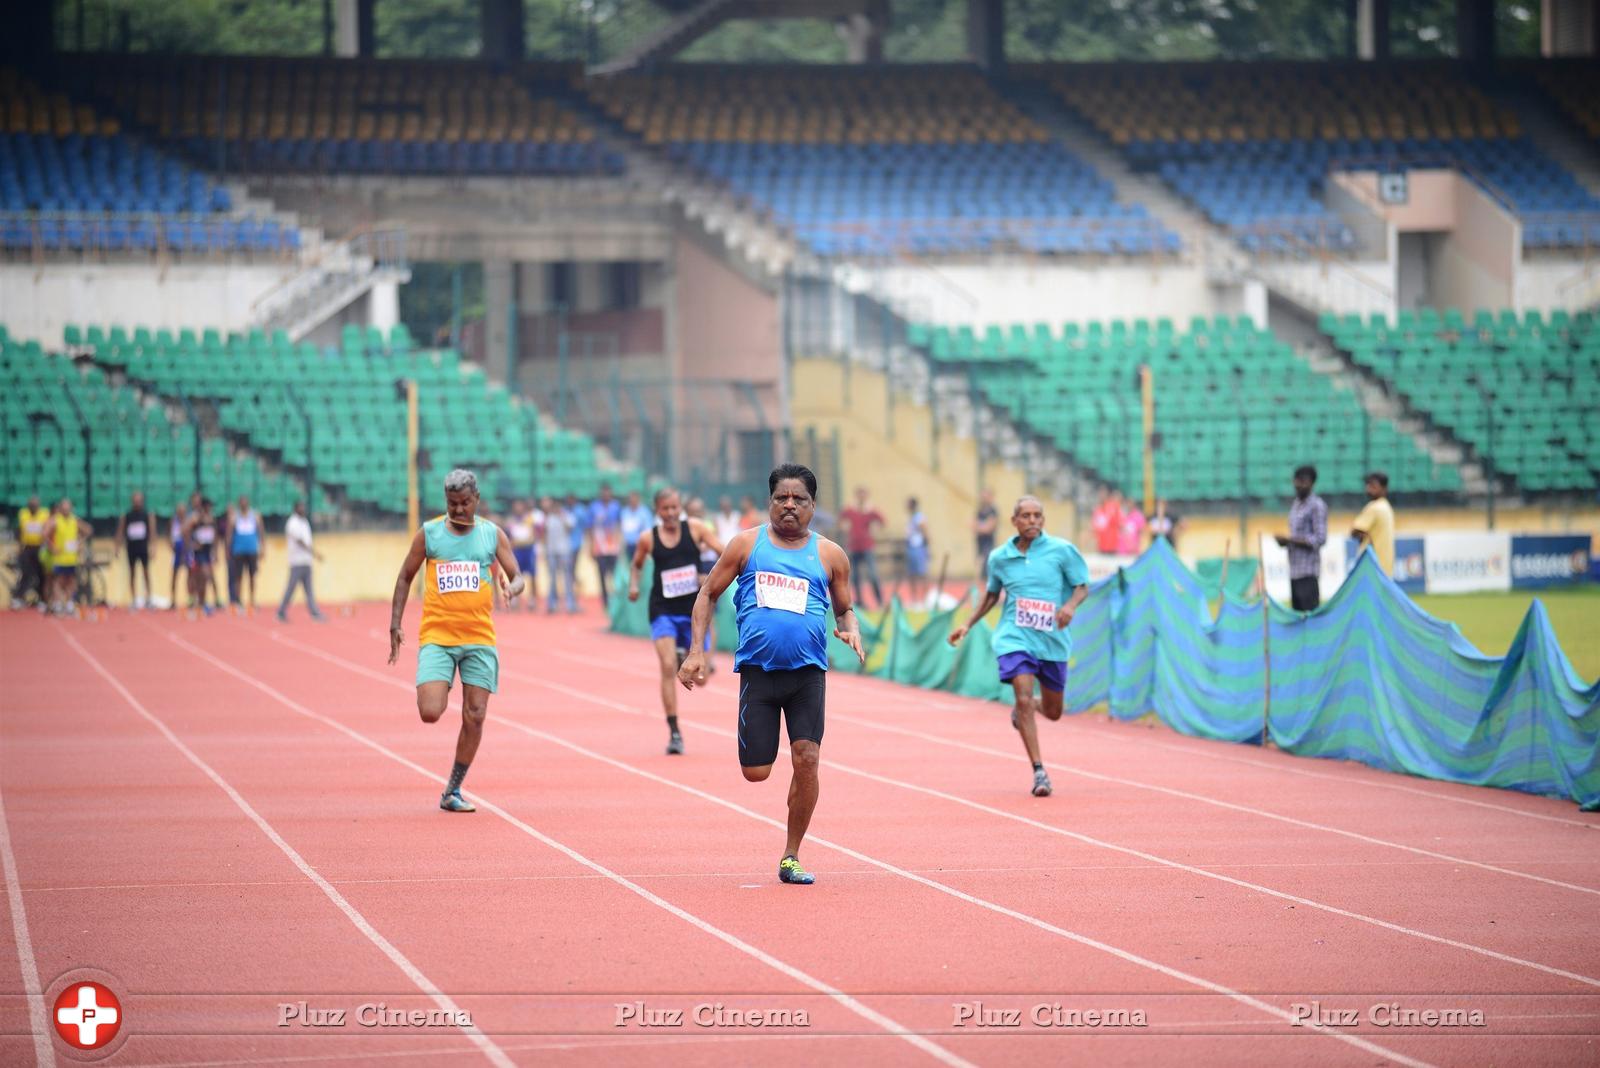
1045 580
675 544
789 578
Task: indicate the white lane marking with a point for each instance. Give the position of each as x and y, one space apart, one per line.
890 1026
961 895
1206 750
478 1038
38 1014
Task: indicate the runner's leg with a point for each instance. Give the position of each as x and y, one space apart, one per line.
1027 704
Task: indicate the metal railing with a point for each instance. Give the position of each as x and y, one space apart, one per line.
160 236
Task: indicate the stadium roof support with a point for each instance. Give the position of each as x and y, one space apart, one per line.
502 30
1369 22
354 29
1569 28
862 22
986 33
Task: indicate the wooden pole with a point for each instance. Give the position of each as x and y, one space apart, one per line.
1147 400
413 435
1266 649
938 590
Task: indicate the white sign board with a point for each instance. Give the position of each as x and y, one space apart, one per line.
1275 568
1464 561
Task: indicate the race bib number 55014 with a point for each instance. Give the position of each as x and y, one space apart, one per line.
1036 615
457 576
680 581
783 592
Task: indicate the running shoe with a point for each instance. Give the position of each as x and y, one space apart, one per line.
790 871
675 744
454 802
1041 784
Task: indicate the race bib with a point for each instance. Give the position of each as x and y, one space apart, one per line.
244 526
136 531
70 545
680 581
205 535
607 542
33 528
456 576
783 592
1036 615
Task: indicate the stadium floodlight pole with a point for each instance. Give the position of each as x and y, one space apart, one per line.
413 447
311 449
1147 397
88 455
1488 452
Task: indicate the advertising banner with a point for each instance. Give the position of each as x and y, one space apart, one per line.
1336 557
1410 564
1466 562
1540 560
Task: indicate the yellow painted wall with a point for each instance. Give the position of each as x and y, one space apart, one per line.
890 451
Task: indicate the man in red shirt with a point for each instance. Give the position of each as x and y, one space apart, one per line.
1107 521
859 541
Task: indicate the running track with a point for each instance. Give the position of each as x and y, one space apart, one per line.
218 818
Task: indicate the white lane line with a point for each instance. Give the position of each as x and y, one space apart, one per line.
493 1052
38 1015
978 705
1150 858
961 895
866 1012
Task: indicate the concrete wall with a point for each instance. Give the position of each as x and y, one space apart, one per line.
37 304
889 447
1052 293
723 325
1476 263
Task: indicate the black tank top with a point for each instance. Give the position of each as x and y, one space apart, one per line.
677 571
136 527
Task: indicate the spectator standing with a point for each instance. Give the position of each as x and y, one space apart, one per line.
523 530
1308 532
916 551
750 516
1375 525
605 538
984 525
1107 521
67 537
32 521
727 521
133 537
1130 537
559 524
860 542
246 547
1165 524
301 555
636 522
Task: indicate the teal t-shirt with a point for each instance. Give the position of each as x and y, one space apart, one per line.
1037 583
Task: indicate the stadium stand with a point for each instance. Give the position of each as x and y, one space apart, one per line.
1523 390
340 413
1251 147
71 180
49 400
370 117
1575 91
879 162
1225 390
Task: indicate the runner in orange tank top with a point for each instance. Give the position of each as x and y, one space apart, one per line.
456 553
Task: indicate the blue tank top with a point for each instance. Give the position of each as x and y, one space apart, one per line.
246 534
782 604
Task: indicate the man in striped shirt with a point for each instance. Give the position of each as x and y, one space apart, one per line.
1308 532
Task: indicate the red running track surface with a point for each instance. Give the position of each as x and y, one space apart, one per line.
221 819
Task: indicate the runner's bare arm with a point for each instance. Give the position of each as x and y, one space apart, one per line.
509 587
706 537
1068 610
728 566
641 553
990 599
402 589
837 562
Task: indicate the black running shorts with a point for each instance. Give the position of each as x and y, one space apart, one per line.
797 695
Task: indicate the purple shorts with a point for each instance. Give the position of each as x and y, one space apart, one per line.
1052 674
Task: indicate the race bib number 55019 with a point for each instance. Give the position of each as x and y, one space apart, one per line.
1036 615
457 576
783 592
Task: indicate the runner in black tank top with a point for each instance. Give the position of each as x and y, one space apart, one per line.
673 588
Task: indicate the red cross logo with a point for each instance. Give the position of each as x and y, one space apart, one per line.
87 1015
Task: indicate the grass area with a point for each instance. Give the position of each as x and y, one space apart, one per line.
1490 620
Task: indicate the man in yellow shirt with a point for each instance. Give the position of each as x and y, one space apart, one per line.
31 524
1375 525
458 550
68 538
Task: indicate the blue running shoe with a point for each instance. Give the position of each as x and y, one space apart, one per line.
790 871
454 802
1041 784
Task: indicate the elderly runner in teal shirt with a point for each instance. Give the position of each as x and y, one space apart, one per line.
1044 580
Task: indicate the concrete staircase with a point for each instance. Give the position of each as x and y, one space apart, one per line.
340 274
1554 137
673 37
1376 398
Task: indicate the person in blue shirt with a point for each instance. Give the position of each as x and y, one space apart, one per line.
790 578
1045 580
636 519
582 518
605 538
